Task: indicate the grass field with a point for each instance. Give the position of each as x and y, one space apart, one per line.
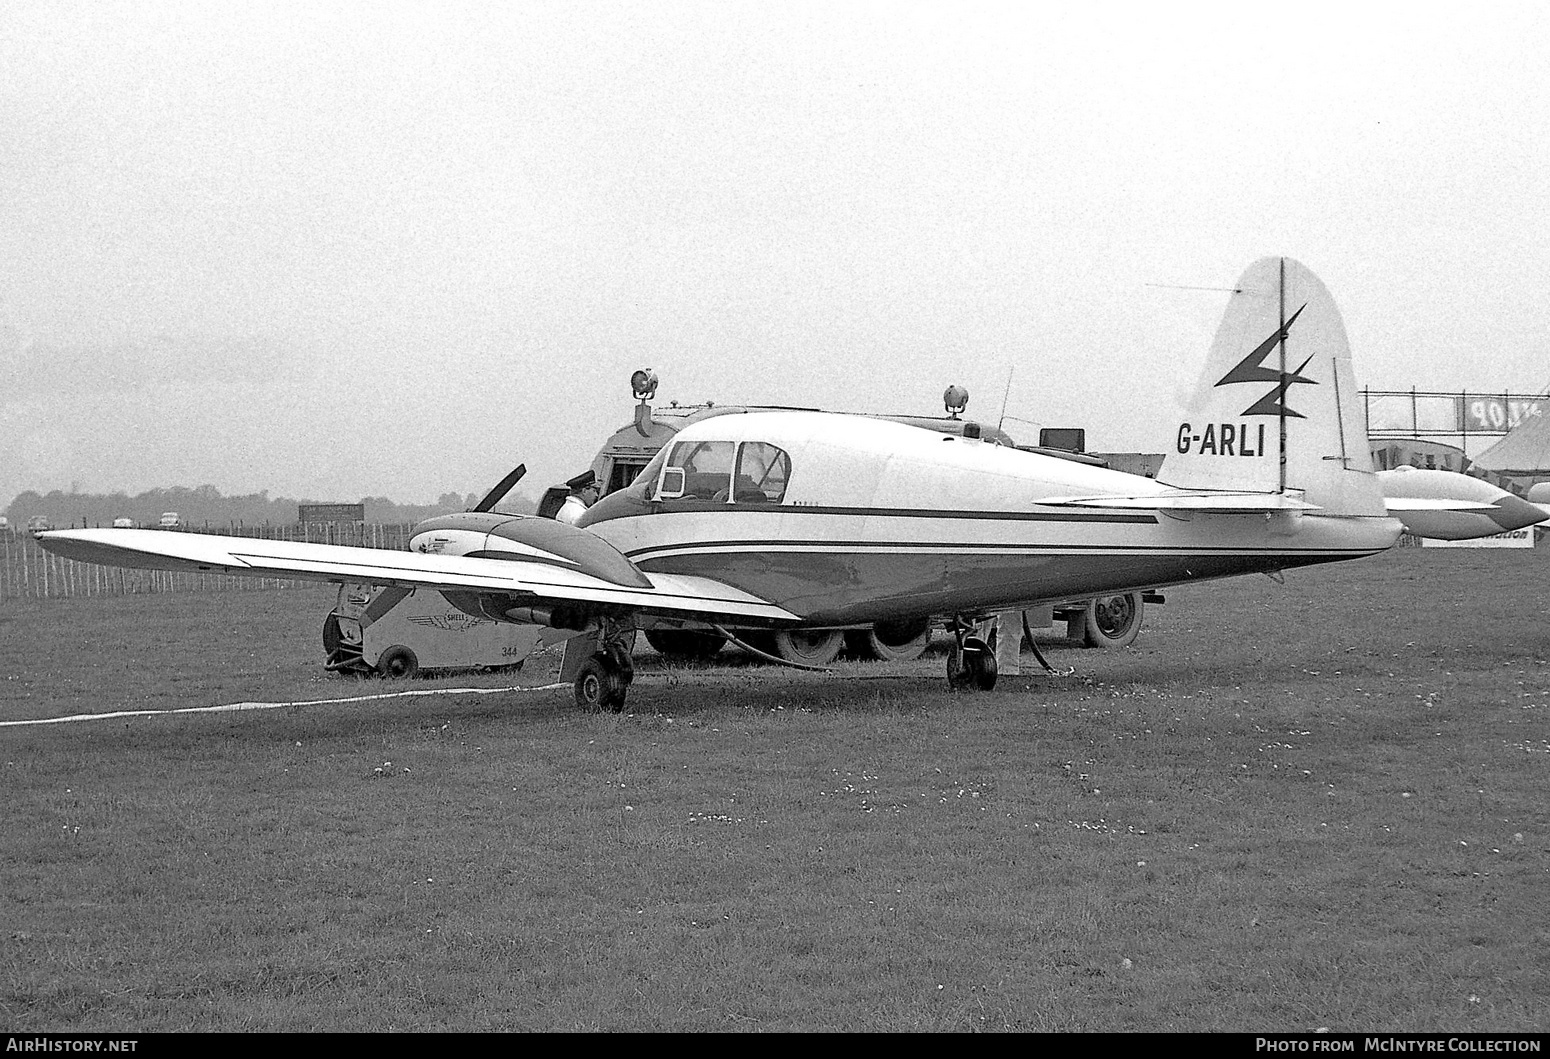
1318 804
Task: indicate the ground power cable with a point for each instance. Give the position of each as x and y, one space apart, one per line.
234 707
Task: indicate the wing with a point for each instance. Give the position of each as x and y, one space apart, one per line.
530 582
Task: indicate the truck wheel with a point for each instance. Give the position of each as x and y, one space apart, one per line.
1112 621
687 644
810 647
891 641
398 662
331 636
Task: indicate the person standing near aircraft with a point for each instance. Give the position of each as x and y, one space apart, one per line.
584 492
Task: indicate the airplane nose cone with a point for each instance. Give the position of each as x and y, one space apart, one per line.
1513 512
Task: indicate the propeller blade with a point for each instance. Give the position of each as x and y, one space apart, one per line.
502 487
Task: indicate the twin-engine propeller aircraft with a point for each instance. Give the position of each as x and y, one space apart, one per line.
786 519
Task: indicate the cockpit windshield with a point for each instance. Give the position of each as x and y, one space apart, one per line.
725 472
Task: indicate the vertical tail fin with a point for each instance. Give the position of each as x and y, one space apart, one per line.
1277 408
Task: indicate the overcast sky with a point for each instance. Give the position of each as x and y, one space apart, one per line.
332 250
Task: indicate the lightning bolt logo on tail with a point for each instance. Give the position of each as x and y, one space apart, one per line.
1252 369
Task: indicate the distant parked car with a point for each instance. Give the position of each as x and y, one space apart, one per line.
123 523
39 523
170 520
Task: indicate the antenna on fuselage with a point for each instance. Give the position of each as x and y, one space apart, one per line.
1005 396
1181 286
1281 401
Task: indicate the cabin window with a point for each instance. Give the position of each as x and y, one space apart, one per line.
706 466
762 473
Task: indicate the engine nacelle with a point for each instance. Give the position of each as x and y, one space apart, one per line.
495 607
486 535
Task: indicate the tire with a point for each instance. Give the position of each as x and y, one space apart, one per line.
983 669
689 645
891 641
331 636
599 686
764 641
398 663
974 666
959 676
815 647
1112 621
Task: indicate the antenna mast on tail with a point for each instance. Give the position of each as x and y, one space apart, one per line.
1281 404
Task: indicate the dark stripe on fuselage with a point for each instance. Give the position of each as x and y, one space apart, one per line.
762 546
674 507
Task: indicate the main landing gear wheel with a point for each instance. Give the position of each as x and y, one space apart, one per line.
1111 621
604 679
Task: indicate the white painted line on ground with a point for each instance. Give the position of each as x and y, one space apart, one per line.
232 707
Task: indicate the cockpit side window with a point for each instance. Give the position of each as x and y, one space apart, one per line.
762 473
707 467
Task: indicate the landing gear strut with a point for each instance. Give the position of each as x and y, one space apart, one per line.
606 669
971 663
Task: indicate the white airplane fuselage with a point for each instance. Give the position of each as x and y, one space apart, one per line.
881 521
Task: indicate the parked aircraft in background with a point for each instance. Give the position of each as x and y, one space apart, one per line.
790 519
1451 506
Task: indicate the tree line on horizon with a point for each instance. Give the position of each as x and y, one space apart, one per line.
205 505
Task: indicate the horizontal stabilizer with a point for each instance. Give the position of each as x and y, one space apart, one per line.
1415 503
